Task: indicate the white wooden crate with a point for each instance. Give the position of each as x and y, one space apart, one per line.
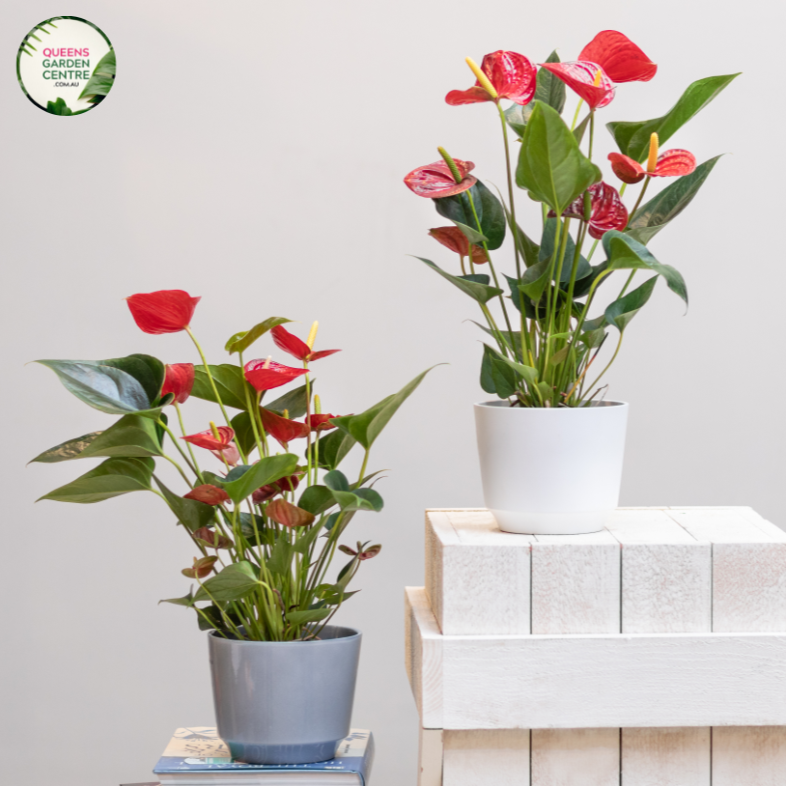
603 658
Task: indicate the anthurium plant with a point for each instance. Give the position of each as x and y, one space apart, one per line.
264 521
544 327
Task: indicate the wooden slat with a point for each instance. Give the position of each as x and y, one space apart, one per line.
477 578
754 756
484 757
666 757
575 584
423 645
575 757
430 757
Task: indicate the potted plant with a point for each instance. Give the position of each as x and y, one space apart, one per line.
551 448
264 521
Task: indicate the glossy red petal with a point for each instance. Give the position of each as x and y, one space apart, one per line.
264 493
323 353
165 311
281 428
179 379
512 75
619 57
625 168
210 495
287 514
287 342
289 483
479 256
435 181
674 163
472 96
321 422
606 212
370 552
275 375
579 76
205 439
452 238
212 538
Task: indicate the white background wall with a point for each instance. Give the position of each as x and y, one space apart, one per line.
252 153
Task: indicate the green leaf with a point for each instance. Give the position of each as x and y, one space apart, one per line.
304 542
480 292
621 311
581 128
625 253
240 342
59 107
361 499
496 376
334 448
551 166
549 89
145 369
489 211
310 615
280 558
593 339
367 426
474 237
336 481
102 78
191 513
528 373
230 383
651 217
111 478
247 528
518 115
294 401
234 582
131 436
104 384
559 356
244 432
187 601
547 249
265 471
535 280
633 139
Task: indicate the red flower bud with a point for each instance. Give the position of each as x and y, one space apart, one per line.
179 380
202 567
454 239
436 180
291 344
206 439
264 375
321 422
213 539
165 311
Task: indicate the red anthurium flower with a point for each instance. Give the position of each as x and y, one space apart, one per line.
280 428
202 567
586 79
510 74
607 210
205 439
165 311
454 239
609 58
212 538
670 163
230 454
436 180
266 375
361 553
320 422
179 379
264 493
210 495
619 57
297 348
287 514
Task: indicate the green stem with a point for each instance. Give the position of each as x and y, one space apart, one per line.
183 431
179 468
641 196
251 413
576 115
608 365
215 389
176 443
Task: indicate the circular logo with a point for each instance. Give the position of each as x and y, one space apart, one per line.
66 65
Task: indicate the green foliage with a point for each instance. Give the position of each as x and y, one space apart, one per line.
265 471
476 206
230 383
476 290
621 311
551 166
240 342
102 78
111 478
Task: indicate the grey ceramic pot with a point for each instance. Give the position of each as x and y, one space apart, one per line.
285 702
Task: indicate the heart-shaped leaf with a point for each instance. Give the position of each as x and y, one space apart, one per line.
651 217
230 383
265 471
633 139
333 448
551 166
240 342
621 311
480 292
234 582
191 513
488 209
294 401
111 478
368 425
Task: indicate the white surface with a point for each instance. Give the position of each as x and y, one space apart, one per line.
526 455
667 757
755 756
467 682
486 757
430 748
584 757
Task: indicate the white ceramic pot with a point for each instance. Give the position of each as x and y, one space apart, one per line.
551 471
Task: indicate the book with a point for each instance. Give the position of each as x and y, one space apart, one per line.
197 756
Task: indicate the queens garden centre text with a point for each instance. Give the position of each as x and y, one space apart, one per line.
66 64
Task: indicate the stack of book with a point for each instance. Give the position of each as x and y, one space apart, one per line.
196 756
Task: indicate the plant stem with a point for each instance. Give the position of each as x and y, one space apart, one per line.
608 365
176 443
179 468
251 413
576 115
195 466
641 196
